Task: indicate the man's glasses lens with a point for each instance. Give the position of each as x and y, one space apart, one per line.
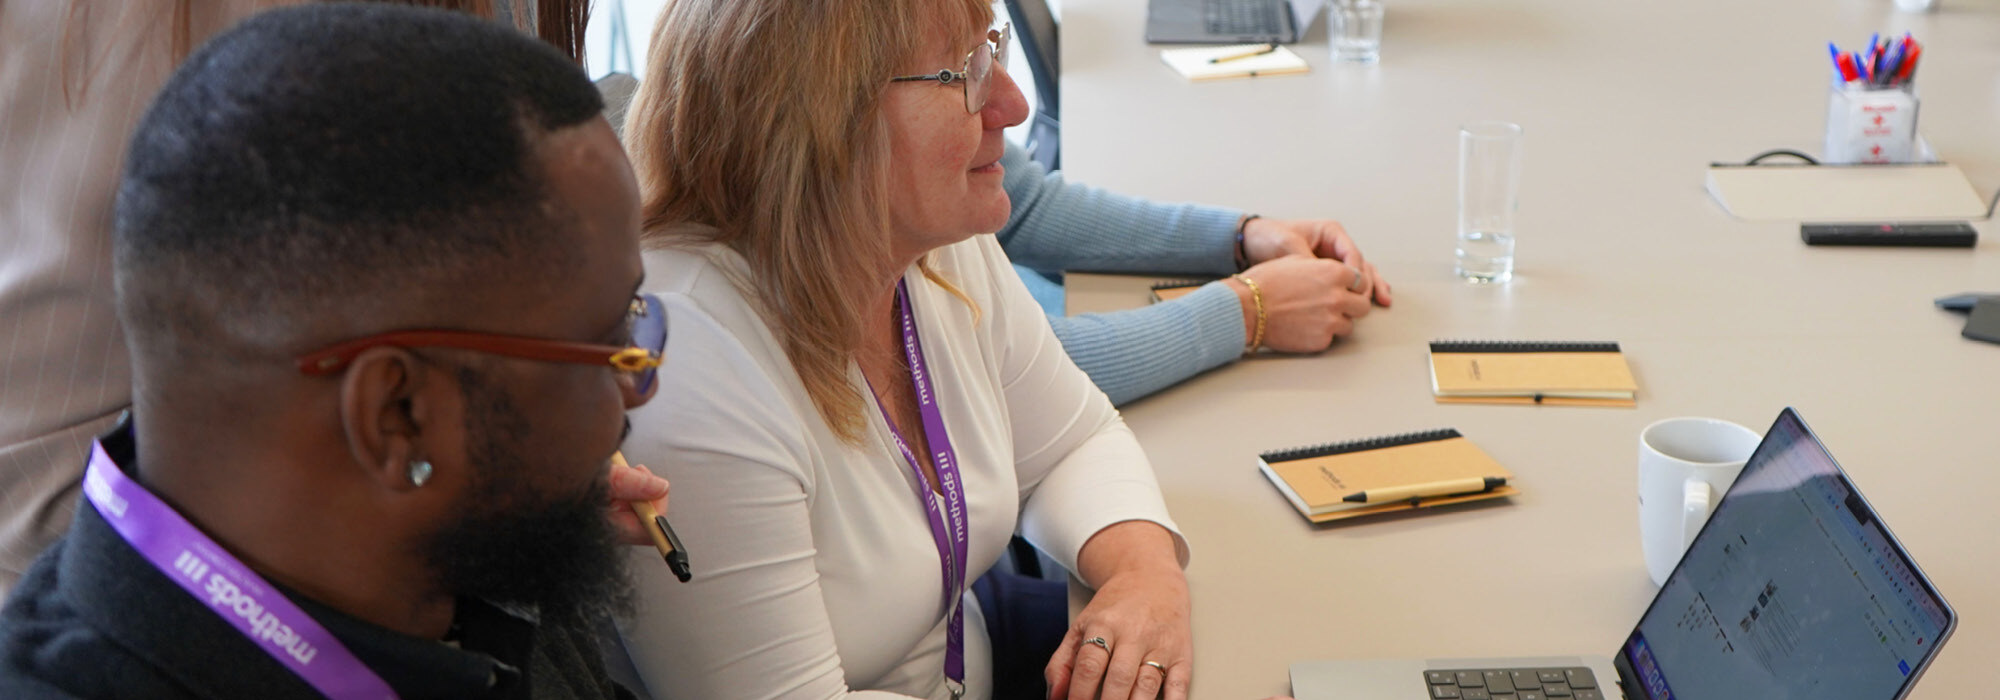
649 332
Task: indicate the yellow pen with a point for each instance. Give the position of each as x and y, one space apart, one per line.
664 538
1258 50
1452 487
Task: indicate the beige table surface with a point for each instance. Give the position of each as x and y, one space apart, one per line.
1624 103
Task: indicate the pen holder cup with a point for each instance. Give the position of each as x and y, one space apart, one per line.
1869 124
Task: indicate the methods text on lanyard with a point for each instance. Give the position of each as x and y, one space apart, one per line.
949 519
227 587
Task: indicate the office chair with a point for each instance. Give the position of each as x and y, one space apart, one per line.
617 90
1037 29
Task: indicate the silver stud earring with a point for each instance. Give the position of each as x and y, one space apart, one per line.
420 472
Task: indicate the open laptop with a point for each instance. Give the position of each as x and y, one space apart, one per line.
1229 21
1793 589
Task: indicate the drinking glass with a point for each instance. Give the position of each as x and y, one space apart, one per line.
1356 30
1489 184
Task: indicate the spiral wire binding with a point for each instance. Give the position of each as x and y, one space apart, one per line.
1362 445
1178 283
1523 346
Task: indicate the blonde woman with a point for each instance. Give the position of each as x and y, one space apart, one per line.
864 402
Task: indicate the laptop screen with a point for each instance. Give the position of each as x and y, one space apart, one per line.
1793 589
1303 14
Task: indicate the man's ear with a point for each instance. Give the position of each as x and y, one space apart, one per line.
385 413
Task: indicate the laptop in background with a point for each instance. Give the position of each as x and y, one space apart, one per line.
1229 21
1793 589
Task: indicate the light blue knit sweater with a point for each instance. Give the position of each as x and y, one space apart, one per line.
1059 226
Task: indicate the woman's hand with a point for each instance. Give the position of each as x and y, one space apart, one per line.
1269 239
630 484
1141 614
1308 302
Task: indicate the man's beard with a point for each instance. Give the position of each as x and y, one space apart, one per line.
517 547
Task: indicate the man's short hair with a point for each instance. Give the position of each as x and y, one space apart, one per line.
341 168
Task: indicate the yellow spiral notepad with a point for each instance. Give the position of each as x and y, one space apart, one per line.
1241 61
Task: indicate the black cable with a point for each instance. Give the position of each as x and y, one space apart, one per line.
1809 160
1781 152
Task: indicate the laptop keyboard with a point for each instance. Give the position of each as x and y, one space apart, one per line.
1241 16
1514 684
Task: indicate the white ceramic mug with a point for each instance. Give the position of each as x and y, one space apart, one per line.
1685 465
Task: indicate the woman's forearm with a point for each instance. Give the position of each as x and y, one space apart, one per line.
1132 546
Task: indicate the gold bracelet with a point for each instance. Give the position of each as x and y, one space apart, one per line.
1257 298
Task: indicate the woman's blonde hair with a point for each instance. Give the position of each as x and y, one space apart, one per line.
760 121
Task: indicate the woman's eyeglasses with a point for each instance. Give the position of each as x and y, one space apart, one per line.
645 321
977 70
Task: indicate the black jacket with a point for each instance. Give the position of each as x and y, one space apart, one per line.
94 619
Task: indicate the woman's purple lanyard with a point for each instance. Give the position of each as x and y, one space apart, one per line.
948 520
229 589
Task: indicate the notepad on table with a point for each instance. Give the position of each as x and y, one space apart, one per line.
1563 373
1914 192
1240 61
1319 480
1175 289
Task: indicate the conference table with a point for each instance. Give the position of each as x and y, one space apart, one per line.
1624 104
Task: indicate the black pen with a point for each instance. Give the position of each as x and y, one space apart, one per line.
663 535
1258 51
1452 487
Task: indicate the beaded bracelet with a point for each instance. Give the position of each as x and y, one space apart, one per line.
1257 298
1242 251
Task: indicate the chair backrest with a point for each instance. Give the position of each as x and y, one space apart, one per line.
1038 41
618 90
1037 29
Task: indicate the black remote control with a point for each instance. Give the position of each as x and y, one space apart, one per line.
1937 235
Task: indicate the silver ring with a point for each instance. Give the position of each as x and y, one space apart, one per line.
1155 664
1099 641
1355 286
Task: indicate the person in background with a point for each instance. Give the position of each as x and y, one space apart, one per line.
78 73
865 395
1313 282
377 269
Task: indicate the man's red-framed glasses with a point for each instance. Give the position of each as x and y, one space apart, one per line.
646 322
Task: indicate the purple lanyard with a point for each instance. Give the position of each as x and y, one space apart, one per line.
230 589
949 521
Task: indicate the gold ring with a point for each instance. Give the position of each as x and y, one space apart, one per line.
1155 664
1099 641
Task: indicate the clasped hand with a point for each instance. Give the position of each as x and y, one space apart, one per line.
1314 281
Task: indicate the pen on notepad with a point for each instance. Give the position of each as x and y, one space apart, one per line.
1257 51
1436 488
656 525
